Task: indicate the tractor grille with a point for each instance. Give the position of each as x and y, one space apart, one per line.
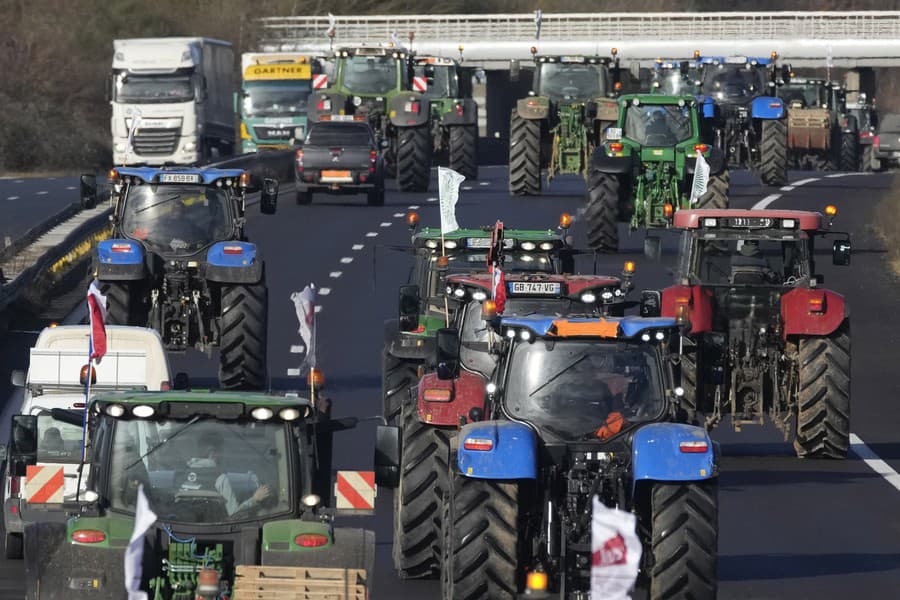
156 142
274 133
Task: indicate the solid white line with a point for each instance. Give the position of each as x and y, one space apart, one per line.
413 206
293 372
298 349
42 193
787 188
805 181
399 215
859 448
358 247
347 260
766 201
372 234
335 274
386 224
324 291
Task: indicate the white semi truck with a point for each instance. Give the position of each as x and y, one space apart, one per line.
176 93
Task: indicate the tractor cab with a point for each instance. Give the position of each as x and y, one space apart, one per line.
675 78
737 80
568 79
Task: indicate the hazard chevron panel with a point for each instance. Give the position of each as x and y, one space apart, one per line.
44 484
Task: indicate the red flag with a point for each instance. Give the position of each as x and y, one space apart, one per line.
498 288
97 312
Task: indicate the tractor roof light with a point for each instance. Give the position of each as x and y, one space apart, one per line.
245 176
831 210
288 414
488 310
565 221
588 298
143 411
788 223
629 267
710 222
431 244
546 246
82 378
316 378
528 245
450 244
115 410
459 292
412 219
262 413
668 210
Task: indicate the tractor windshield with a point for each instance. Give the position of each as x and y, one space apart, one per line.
583 389
734 83
571 81
203 470
442 81
177 219
804 95
742 259
276 98
658 124
673 83
370 74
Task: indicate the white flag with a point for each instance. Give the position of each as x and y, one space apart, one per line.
305 305
616 553
701 178
144 517
448 187
332 26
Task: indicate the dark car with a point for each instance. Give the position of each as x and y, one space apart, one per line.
340 157
886 145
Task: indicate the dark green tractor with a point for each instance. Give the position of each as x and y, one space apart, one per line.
644 171
561 121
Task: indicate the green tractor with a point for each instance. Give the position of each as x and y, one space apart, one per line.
454 114
377 83
563 118
644 171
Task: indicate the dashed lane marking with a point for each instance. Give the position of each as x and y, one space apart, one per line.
335 274
71 187
432 199
399 215
357 247
868 456
787 188
766 201
324 291
413 207
467 187
13 198
805 181
484 183
386 224
298 349
293 372
42 193
372 234
318 308
346 260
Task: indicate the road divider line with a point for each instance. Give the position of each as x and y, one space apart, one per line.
805 181
874 462
766 201
13 198
42 193
432 199
346 260
386 224
357 247
71 187
324 291
787 188
297 349
413 207
293 372
318 308
399 215
484 183
335 274
372 234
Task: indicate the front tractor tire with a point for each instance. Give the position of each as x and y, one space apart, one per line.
398 377
848 160
414 159
463 151
524 156
123 303
684 541
480 539
716 195
773 152
602 211
823 398
244 336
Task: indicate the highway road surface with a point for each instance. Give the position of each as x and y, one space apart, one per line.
790 529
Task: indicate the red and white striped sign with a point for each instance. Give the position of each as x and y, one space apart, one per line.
355 490
420 84
320 81
44 485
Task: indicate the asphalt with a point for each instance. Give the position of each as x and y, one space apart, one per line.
789 529
27 202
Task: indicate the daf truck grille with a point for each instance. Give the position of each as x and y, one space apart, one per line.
156 142
274 133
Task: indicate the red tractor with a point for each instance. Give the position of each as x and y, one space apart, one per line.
761 336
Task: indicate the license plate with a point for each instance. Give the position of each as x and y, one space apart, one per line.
542 288
486 243
335 174
179 178
614 133
752 222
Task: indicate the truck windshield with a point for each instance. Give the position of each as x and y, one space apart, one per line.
59 442
442 81
276 98
571 81
736 83
148 89
203 470
177 219
573 388
370 74
751 260
658 124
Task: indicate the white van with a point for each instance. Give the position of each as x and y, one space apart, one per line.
135 360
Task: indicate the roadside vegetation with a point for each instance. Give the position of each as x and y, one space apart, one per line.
54 114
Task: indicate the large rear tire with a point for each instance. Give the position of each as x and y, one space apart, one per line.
414 159
823 398
602 211
398 377
689 370
524 156
123 303
773 152
684 540
417 501
464 150
480 557
868 153
716 195
244 326
849 156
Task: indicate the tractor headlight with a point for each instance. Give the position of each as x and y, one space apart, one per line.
525 335
588 297
528 246
510 333
143 411
479 296
115 410
311 500
660 335
289 414
547 246
459 292
450 244
645 337
262 413
357 101
431 244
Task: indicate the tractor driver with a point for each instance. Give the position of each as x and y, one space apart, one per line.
750 259
211 446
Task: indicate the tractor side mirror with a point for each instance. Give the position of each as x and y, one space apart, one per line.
268 200
447 353
651 303
840 253
786 73
409 307
88 191
515 69
387 456
17 378
23 444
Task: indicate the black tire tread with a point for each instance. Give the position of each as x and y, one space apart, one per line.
602 211
414 158
463 150
398 377
244 326
717 189
849 152
773 152
524 156
122 304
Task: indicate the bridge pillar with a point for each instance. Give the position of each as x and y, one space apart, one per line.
500 99
860 79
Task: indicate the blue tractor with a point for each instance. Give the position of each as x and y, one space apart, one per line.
179 262
750 122
577 408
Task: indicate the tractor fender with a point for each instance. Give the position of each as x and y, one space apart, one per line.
533 107
673 452
509 450
700 305
604 163
466 392
411 345
233 262
338 103
461 112
400 117
797 318
715 158
120 260
767 107
348 547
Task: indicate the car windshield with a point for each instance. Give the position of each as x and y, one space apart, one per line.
177 219
571 81
749 260
370 74
573 389
737 83
441 80
804 95
59 442
203 470
658 124
276 98
339 134
131 89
